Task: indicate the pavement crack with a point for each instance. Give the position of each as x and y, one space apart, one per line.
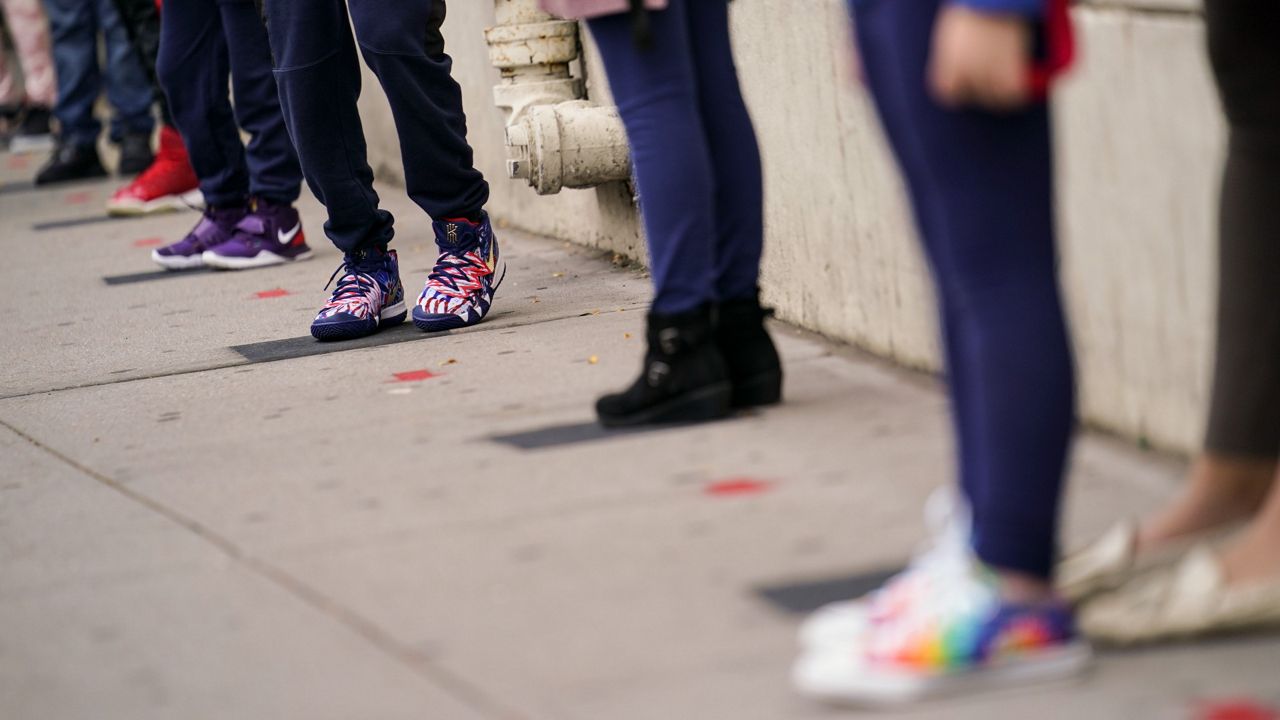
449 682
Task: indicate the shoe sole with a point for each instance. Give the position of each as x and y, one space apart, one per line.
265 258
441 322
167 203
862 688
331 332
19 144
176 262
701 405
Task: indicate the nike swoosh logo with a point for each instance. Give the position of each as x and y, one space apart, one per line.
287 237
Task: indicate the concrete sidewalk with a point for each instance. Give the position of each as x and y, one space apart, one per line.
206 514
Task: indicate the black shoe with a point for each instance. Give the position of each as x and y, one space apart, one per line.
135 154
34 131
71 162
749 353
683 379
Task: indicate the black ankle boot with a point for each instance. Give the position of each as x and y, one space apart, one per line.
71 162
749 354
683 379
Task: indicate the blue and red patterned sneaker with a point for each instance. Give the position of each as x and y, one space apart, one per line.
368 297
459 291
268 235
216 226
954 637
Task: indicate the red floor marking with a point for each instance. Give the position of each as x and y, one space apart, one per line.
737 486
148 242
277 292
1236 709
19 162
412 376
77 198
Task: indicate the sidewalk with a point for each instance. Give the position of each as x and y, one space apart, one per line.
204 514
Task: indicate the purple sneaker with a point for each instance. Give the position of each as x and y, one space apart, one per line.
268 235
216 226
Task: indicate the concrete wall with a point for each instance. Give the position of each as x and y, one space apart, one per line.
1140 144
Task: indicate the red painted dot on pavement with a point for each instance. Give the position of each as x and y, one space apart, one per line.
148 242
19 162
737 486
1237 709
412 376
274 293
77 198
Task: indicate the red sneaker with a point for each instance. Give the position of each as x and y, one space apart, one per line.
168 184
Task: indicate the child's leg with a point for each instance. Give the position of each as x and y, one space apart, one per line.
128 88
273 165
657 95
318 75
735 154
984 181
74 30
194 69
402 44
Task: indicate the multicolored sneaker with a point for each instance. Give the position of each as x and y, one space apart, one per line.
268 235
459 291
947 553
170 183
215 227
368 297
953 640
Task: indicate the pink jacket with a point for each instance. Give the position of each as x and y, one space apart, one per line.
594 8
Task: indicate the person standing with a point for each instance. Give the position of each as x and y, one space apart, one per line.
318 72
959 86
249 191
169 183
76 26
1163 577
27 105
697 164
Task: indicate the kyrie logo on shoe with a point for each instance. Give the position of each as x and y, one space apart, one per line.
287 237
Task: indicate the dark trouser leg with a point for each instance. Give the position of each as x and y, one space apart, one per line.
985 182
402 44
194 70
318 75
658 98
735 154
1244 417
142 22
274 174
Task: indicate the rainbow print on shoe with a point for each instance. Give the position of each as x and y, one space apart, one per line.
460 289
959 638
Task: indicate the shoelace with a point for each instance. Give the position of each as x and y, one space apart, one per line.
352 284
451 269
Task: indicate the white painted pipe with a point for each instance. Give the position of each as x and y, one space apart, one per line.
554 138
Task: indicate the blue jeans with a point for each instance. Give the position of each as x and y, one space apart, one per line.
695 153
981 186
75 26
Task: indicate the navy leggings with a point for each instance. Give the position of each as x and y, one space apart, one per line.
319 76
694 151
202 44
981 186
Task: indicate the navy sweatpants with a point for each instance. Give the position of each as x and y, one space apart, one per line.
694 151
318 72
981 186
202 44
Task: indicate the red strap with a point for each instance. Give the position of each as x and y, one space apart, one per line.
1060 47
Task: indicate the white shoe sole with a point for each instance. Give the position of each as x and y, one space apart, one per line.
392 311
168 203
840 677
263 259
175 262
